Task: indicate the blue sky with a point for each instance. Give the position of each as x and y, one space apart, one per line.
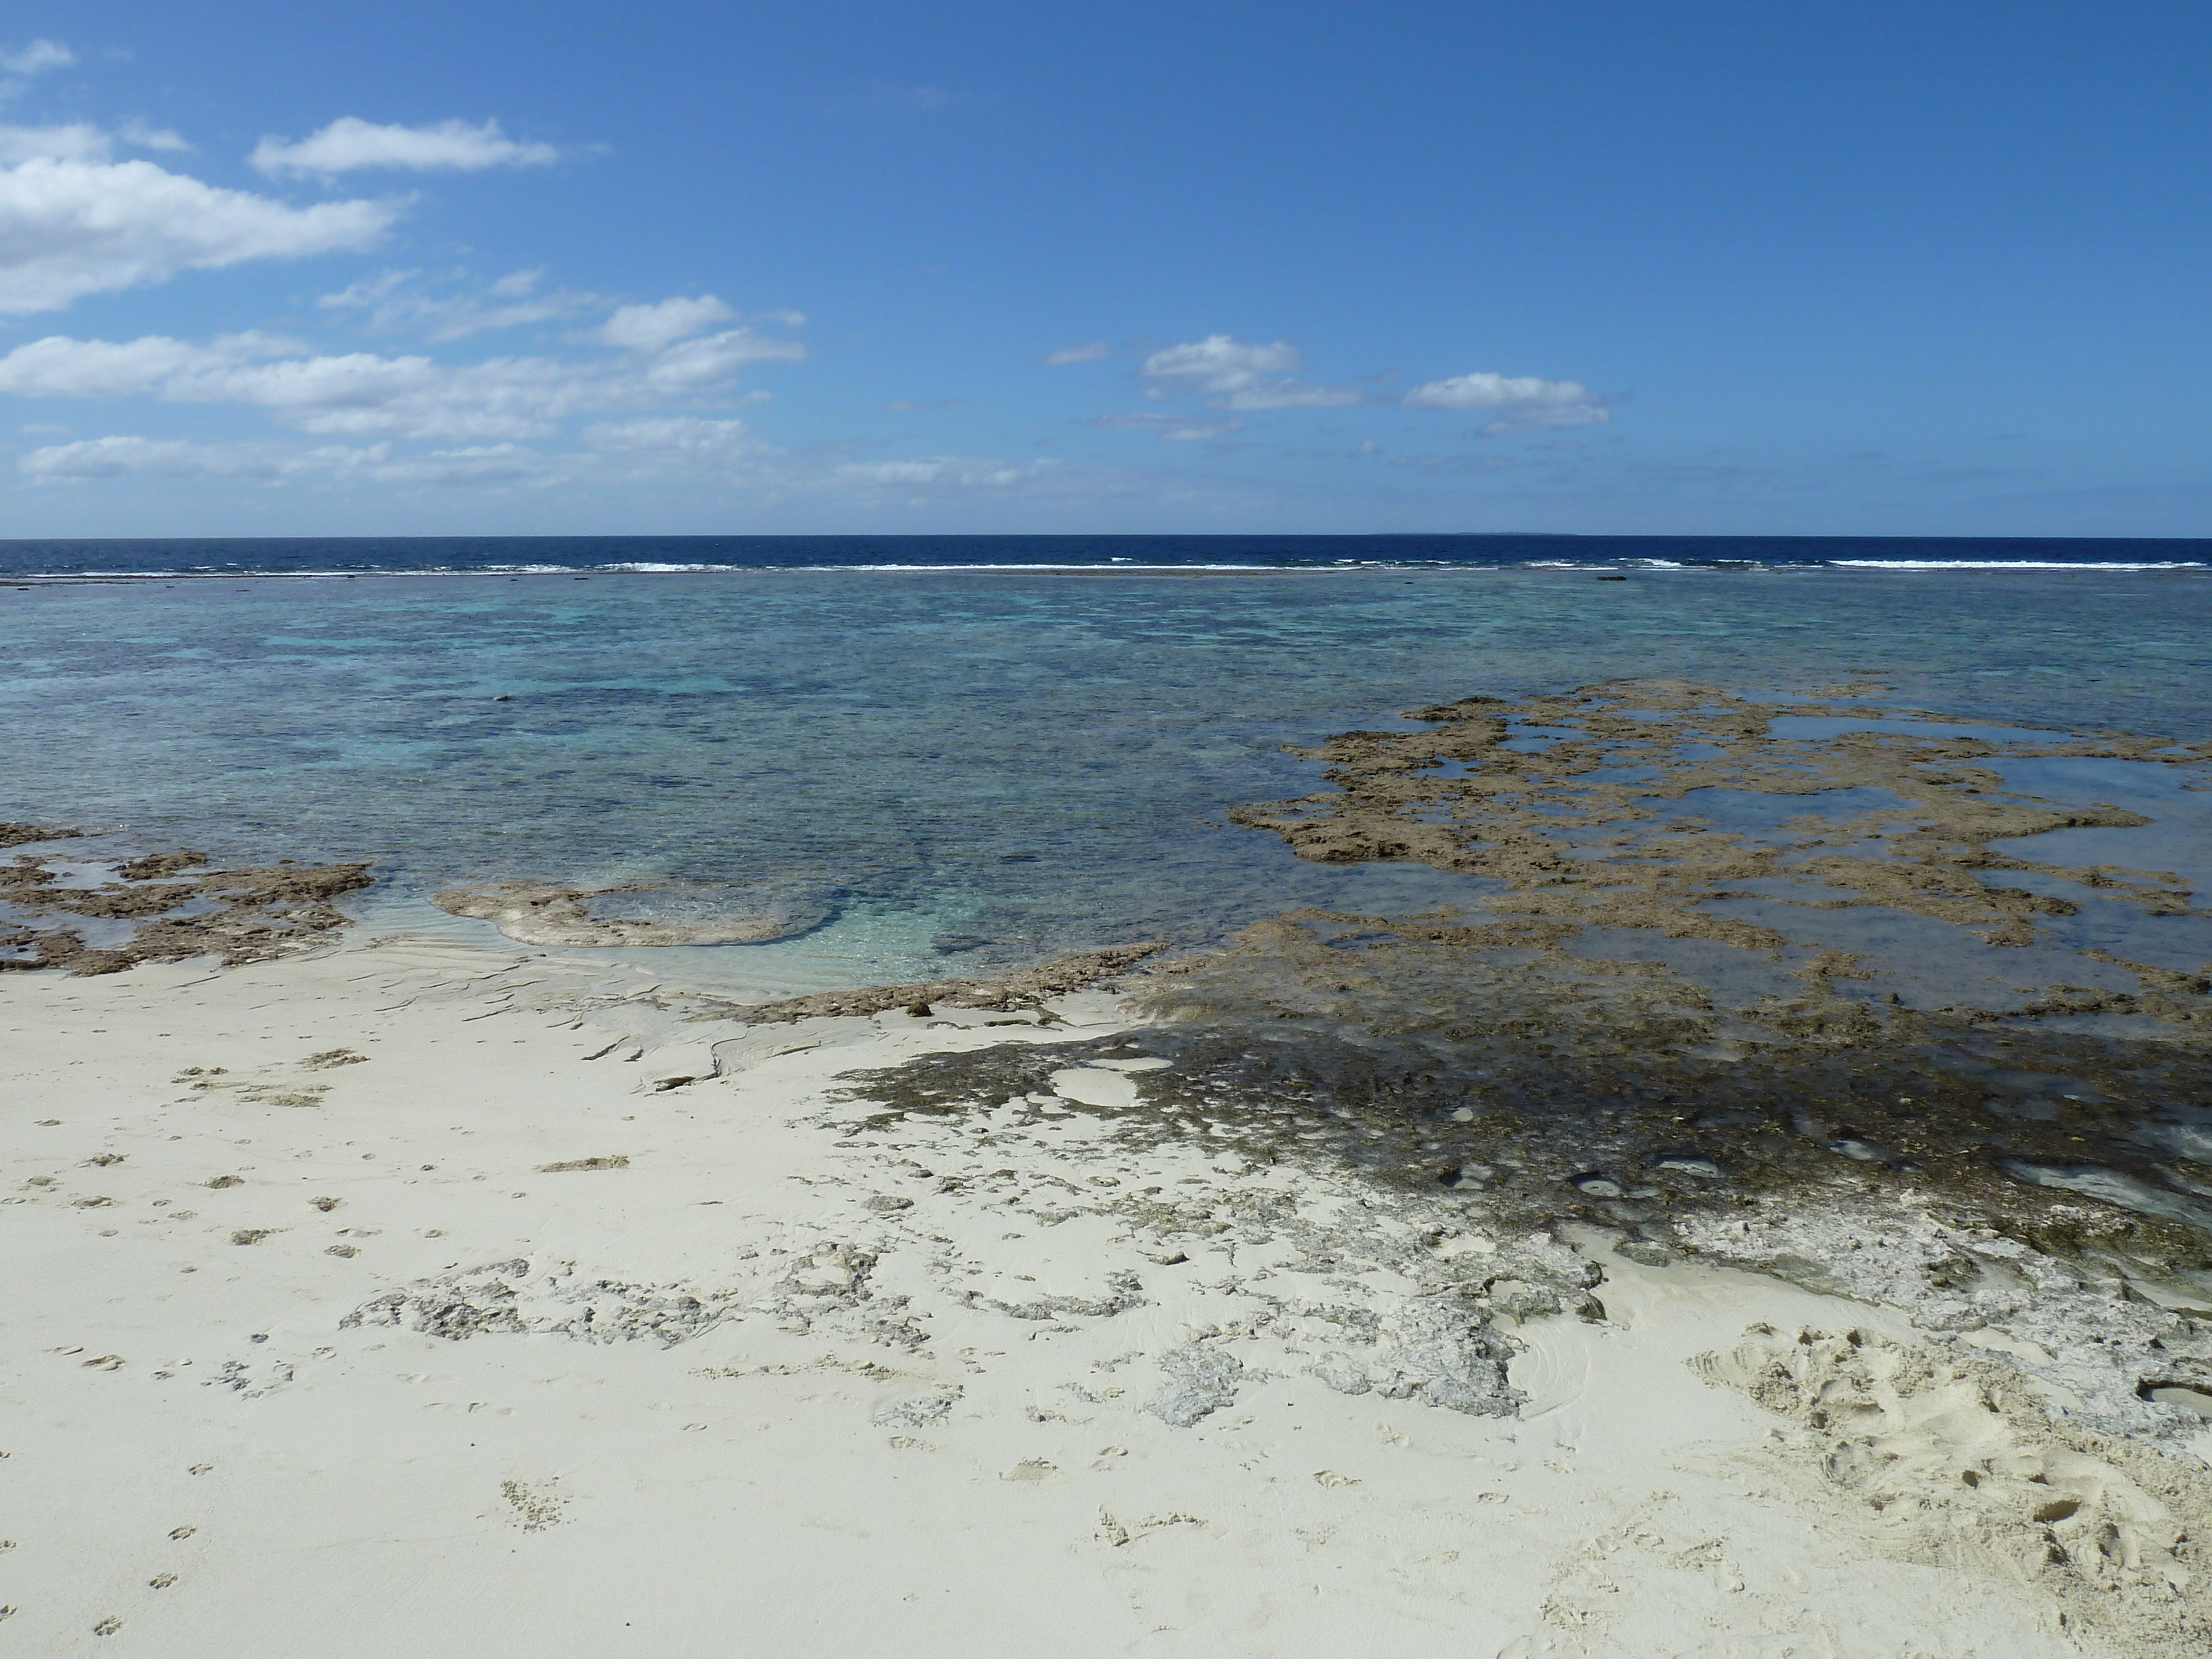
1686 268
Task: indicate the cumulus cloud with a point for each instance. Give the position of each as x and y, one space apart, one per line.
661 449
1218 363
651 327
354 392
1521 402
142 458
79 141
169 458
350 142
1081 354
70 227
76 140
36 58
58 366
362 393
1241 376
681 359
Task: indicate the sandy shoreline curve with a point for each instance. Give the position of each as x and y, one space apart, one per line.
406 1296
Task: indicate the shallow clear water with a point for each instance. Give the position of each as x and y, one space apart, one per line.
966 768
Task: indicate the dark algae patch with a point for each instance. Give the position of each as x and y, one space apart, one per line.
1715 944
1787 983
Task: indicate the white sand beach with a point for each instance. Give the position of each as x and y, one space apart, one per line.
409 1298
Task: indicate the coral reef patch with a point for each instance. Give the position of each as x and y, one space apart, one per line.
161 906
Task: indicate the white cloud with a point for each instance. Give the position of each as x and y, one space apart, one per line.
689 436
145 457
37 57
1241 376
649 328
360 393
73 228
1217 363
350 142
395 300
58 366
79 141
364 393
691 367
1523 402
951 472
485 464
659 451
160 457
1081 354
1169 429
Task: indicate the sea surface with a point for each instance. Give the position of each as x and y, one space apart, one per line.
1883 858
965 753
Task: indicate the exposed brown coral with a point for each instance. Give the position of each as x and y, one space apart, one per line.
1578 808
243 915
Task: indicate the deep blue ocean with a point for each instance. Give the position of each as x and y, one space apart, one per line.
968 751
665 554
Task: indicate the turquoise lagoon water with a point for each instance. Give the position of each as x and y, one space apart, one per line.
967 767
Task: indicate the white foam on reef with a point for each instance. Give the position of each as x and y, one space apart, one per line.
1116 569
2016 564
